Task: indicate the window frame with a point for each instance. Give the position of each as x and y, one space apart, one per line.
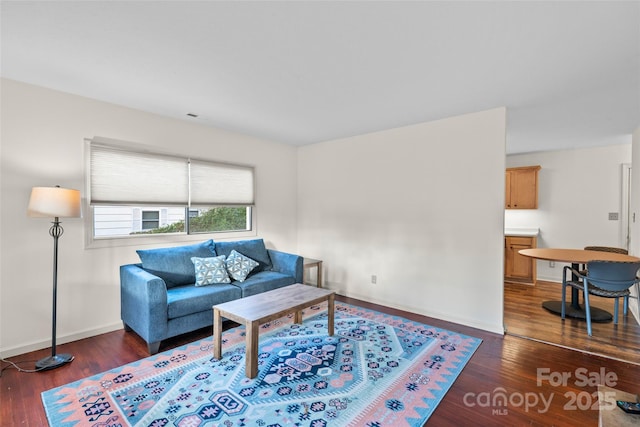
91 241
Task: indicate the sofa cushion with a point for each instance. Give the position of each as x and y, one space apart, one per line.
239 266
264 281
253 249
174 265
210 271
186 300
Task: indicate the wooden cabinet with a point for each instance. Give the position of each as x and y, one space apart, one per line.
517 267
522 188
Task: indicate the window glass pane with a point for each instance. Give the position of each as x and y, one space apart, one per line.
110 221
150 215
222 218
119 221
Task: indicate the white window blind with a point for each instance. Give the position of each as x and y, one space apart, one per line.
122 177
220 184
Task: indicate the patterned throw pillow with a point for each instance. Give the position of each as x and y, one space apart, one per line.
210 271
239 266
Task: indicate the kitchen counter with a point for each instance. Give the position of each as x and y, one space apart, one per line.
526 232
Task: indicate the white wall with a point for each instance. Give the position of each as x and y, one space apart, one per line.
420 207
42 145
577 190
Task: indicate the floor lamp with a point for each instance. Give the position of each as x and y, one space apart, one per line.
56 203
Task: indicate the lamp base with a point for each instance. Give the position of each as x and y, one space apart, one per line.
53 362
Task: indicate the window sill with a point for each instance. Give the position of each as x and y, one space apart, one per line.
163 239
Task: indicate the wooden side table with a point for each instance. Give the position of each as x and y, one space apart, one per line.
310 263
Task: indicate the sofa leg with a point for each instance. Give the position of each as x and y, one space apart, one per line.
127 328
153 347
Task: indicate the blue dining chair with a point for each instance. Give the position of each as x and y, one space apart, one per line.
609 279
614 250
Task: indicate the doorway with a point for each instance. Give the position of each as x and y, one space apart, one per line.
524 317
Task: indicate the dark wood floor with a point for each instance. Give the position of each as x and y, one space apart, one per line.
502 364
525 317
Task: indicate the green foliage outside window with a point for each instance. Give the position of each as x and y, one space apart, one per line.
220 219
211 220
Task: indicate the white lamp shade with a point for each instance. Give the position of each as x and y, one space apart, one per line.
54 202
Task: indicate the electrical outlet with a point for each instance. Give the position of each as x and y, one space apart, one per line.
374 279
552 264
613 216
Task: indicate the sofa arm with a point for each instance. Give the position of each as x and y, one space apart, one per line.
143 302
286 263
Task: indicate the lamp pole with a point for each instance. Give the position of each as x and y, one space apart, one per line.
54 360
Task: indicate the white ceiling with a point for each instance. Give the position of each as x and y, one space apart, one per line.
303 72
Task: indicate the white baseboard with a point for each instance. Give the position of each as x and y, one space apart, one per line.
499 329
548 279
26 348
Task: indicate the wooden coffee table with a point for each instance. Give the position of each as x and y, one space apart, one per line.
257 309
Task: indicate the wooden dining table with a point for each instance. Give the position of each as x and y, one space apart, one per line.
575 257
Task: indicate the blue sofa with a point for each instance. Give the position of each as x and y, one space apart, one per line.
160 297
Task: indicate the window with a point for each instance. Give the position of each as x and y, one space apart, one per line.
133 193
150 220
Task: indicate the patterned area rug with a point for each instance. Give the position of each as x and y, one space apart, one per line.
377 370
